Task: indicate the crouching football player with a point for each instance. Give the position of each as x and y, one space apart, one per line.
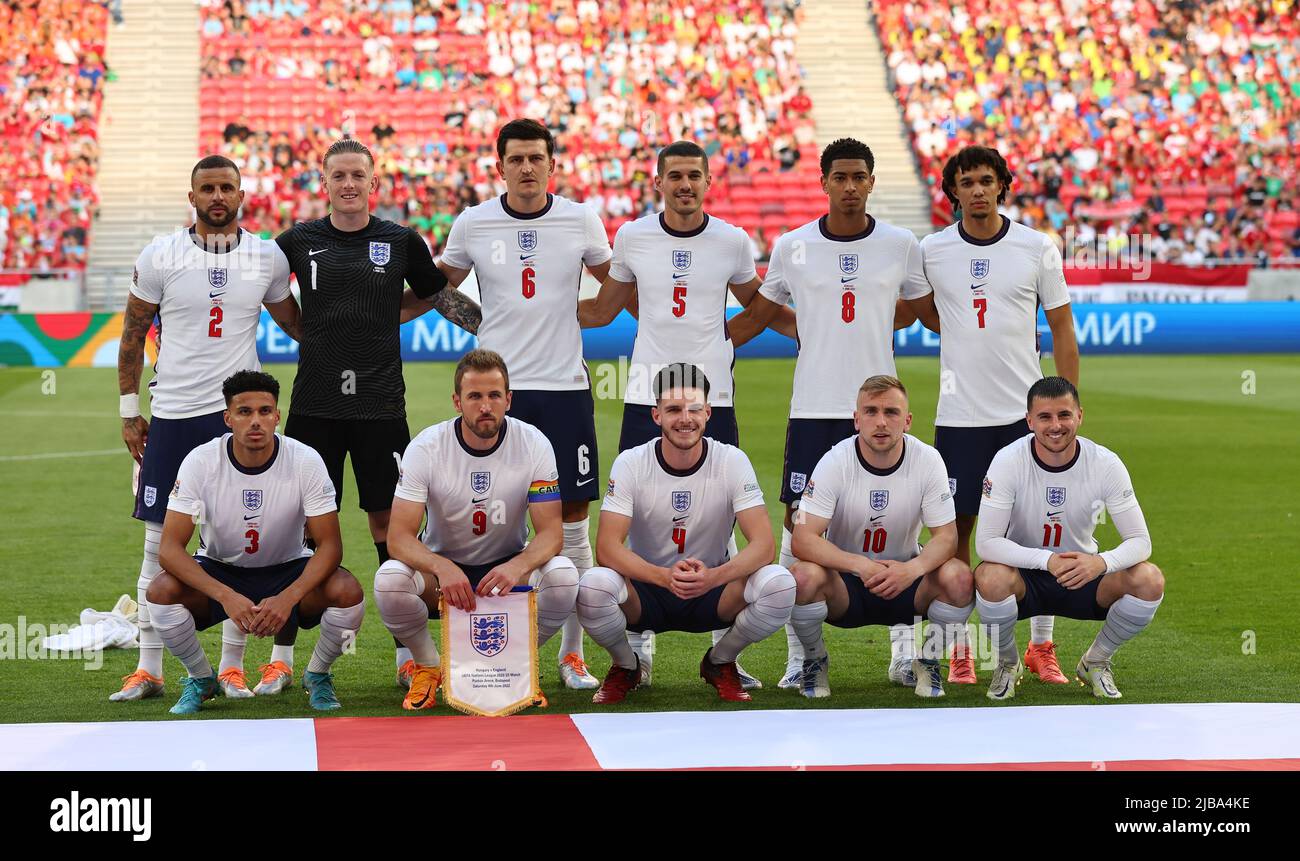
251 492
856 539
675 501
480 478
1042 498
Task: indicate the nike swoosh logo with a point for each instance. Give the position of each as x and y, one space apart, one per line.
847 280
678 276
317 251
680 519
979 286
216 295
527 256
1053 513
484 499
251 516
581 483
877 517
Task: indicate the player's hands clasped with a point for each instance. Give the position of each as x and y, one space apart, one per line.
272 613
455 587
135 432
1076 570
503 578
892 579
690 579
241 611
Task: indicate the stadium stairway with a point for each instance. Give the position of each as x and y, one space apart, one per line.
846 77
147 140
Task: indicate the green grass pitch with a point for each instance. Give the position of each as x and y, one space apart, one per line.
1213 445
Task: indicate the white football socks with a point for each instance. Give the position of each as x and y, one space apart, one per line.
1040 629
577 549
233 640
151 645
403 611
556 585
338 628
175 627
600 592
1124 620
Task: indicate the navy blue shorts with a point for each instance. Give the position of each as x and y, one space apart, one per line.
568 420
375 445
866 608
255 584
1045 597
168 442
476 573
661 610
639 426
967 453
806 442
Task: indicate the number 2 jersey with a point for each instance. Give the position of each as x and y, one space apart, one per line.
476 502
252 518
681 514
878 513
1055 509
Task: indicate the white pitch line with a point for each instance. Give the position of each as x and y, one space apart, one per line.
57 455
56 414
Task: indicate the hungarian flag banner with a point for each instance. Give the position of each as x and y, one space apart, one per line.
489 655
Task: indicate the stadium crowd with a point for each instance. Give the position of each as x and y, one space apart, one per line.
51 89
428 83
1169 118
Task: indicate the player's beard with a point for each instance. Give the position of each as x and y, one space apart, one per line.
206 218
673 437
481 428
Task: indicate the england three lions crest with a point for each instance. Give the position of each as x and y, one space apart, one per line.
218 278
681 500
1056 496
528 240
681 260
252 499
879 500
848 263
979 268
381 253
489 633
479 482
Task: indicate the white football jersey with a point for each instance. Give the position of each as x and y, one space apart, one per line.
476 502
681 283
681 515
844 289
1057 508
878 513
252 518
987 293
210 304
529 269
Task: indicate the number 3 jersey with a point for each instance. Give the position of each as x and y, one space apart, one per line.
477 501
681 514
252 518
1057 508
878 513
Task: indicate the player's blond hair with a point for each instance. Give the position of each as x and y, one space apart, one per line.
481 360
348 145
882 383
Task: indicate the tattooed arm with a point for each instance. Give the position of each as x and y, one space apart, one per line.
457 308
288 316
130 360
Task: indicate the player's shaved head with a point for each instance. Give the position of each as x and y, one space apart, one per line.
881 383
482 361
848 149
682 149
970 159
214 162
241 382
1051 388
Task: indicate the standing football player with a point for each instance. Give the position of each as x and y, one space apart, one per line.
850 276
480 479
208 283
1039 510
527 249
990 276
349 397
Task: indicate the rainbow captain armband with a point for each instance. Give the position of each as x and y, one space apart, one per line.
544 491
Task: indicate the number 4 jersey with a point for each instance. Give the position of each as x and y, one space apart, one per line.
477 501
252 518
681 514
